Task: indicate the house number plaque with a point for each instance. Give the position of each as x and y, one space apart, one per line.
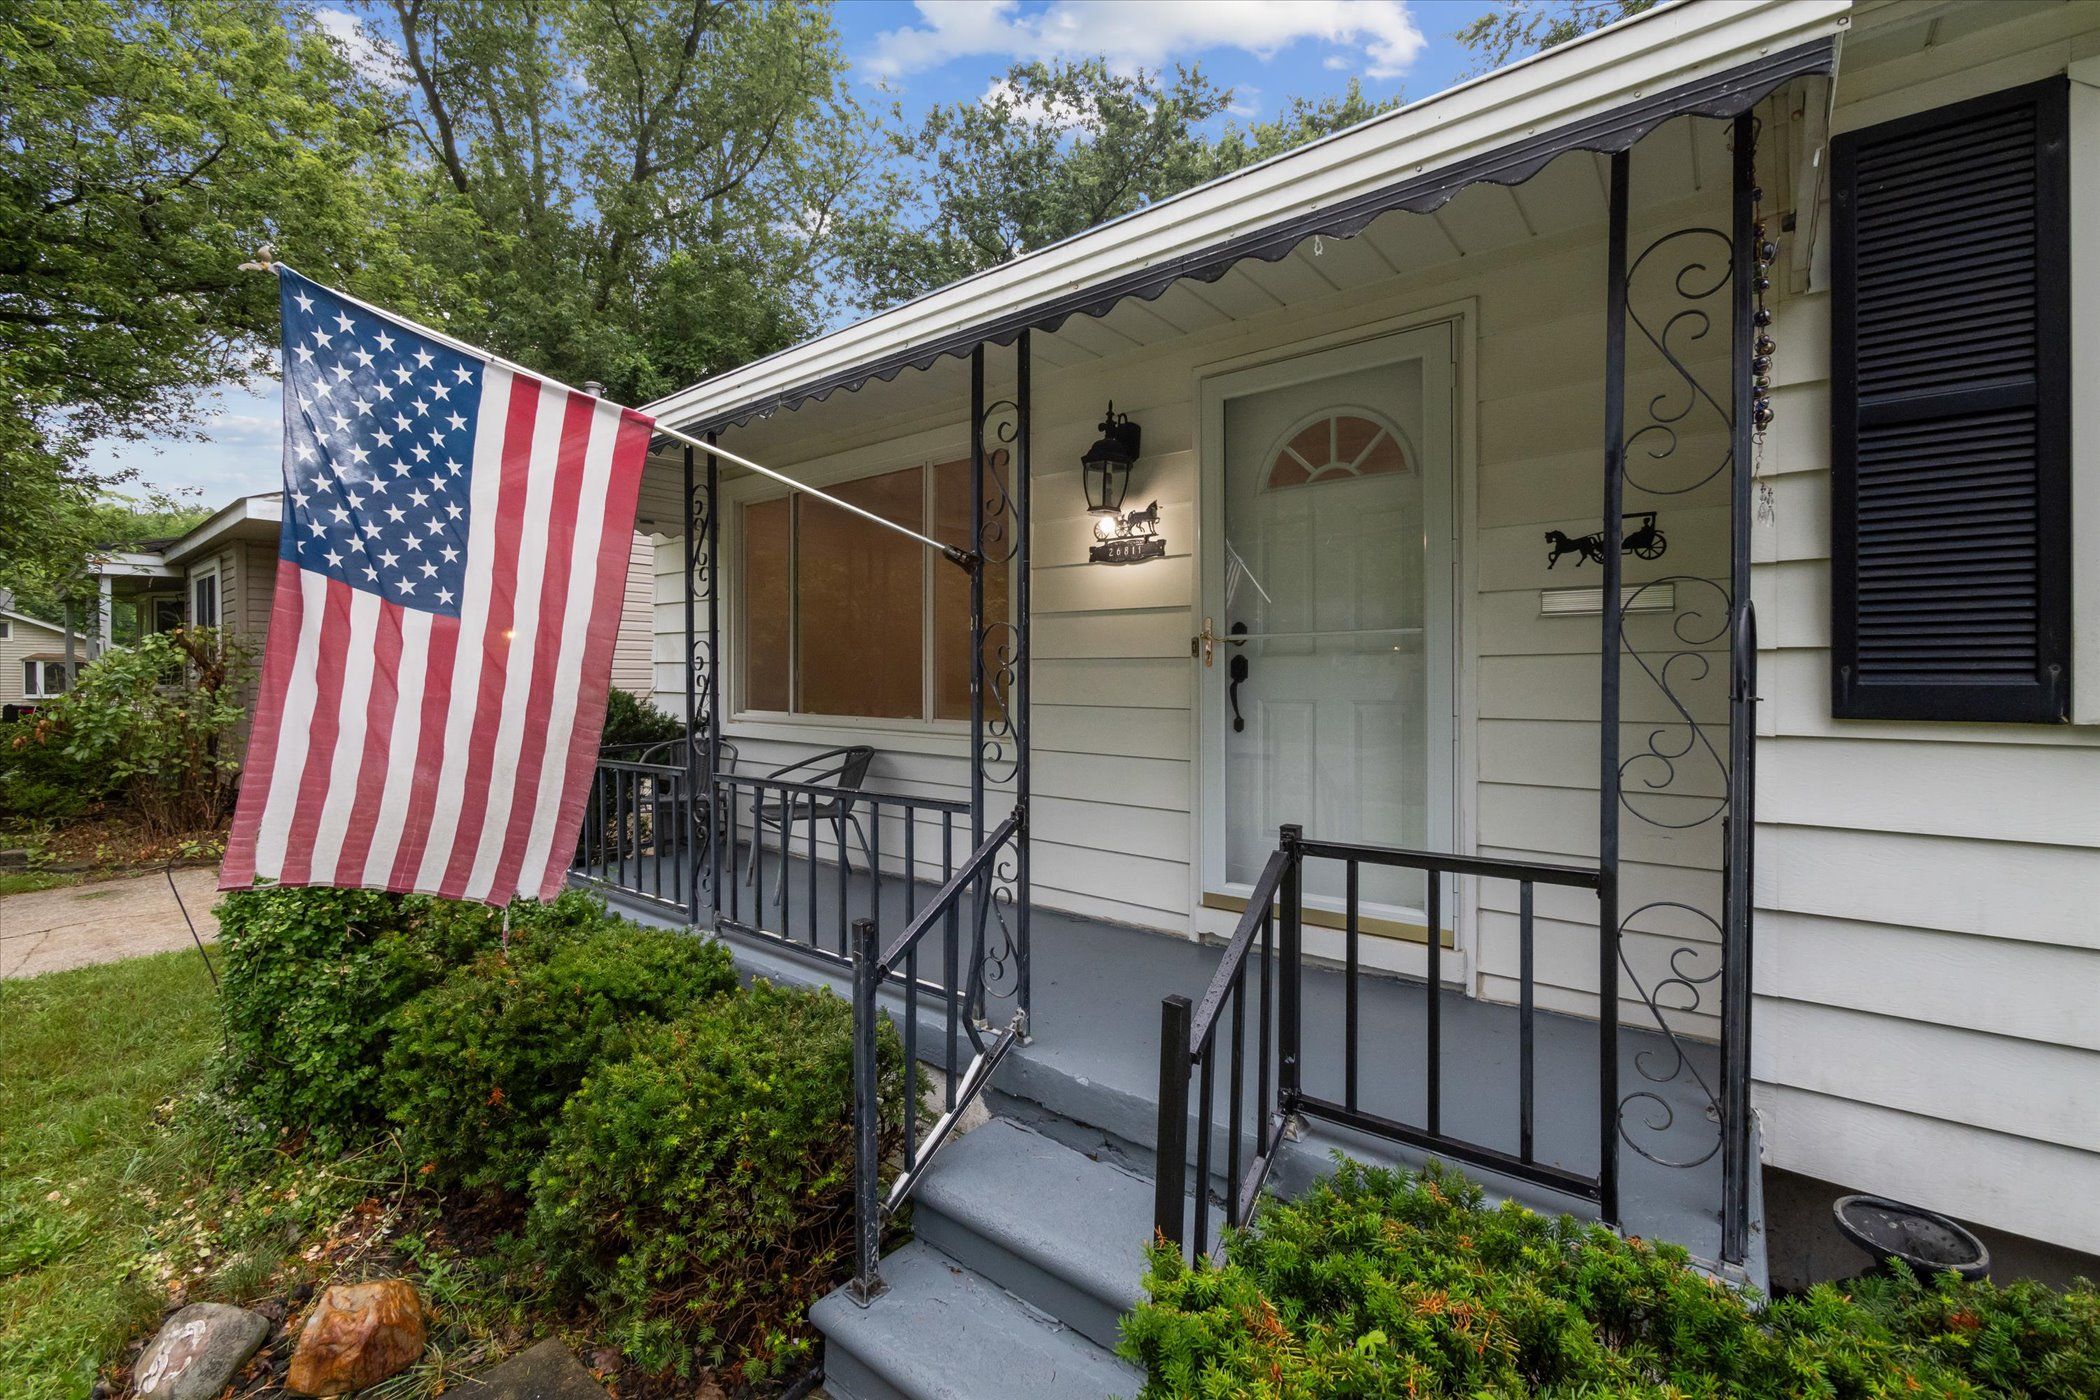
1129 539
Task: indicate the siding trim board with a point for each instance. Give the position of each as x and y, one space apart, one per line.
1950 413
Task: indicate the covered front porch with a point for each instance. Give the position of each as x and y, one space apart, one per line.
1377 770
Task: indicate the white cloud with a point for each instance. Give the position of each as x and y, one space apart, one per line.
1083 116
369 53
1146 33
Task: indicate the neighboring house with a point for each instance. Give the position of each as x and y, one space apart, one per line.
33 659
223 574
219 574
1389 386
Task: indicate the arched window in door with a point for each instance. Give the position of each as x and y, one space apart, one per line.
1338 444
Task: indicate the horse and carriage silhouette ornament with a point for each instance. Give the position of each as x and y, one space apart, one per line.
1645 541
1128 538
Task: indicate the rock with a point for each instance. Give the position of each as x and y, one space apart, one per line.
197 1351
357 1335
542 1372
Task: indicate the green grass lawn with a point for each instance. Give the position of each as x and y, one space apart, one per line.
86 1172
31 881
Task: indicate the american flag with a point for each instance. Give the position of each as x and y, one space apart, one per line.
449 582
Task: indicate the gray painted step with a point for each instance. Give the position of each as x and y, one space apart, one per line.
1059 1230
942 1332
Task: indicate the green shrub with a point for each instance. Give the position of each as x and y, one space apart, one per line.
159 720
629 719
481 1064
40 778
700 1191
1379 1283
310 978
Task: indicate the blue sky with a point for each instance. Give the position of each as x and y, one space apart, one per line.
938 51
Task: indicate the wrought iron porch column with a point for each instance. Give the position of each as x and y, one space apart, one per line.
715 813
981 895
1608 700
977 676
693 789
1738 840
703 869
1018 701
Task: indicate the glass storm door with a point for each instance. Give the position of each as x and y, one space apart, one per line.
1328 584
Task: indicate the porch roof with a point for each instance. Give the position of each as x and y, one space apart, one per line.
1601 92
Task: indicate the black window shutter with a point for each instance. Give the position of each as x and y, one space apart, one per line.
1950 413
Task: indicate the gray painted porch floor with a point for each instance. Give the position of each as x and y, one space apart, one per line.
1093 1055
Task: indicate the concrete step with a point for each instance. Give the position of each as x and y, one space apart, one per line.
942 1332
1059 1230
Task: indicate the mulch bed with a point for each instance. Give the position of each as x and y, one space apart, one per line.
113 844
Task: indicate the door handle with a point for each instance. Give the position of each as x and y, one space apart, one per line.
1238 671
1203 643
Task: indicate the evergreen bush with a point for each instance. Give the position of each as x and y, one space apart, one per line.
630 719
699 1192
481 1063
1379 1283
310 979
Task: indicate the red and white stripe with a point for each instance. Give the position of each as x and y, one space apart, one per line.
399 749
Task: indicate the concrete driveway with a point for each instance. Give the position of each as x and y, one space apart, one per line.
51 930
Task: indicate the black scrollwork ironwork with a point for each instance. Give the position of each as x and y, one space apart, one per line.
1001 652
1656 770
700 657
1678 759
1681 993
1002 425
1673 411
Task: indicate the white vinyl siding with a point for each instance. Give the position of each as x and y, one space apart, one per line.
23 639
1927 1022
631 652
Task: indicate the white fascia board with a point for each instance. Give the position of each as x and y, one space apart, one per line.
1650 53
128 564
267 507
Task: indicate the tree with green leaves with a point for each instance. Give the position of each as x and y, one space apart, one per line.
146 151
1054 149
1521 28
651 182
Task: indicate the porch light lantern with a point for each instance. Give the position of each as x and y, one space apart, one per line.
1105 467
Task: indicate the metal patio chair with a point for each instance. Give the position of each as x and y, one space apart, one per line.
841 770
670 753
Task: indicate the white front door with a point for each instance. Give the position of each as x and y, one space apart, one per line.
1328 555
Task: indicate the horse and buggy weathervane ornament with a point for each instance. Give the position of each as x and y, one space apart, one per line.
1128 538
1645 541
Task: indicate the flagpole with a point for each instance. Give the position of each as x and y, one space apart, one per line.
953 553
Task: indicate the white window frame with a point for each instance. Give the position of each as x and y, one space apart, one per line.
196 582
35 690
7 630
909 735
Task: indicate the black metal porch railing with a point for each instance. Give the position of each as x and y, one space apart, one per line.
798 863
635 833
963 910
1265 960
820 858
